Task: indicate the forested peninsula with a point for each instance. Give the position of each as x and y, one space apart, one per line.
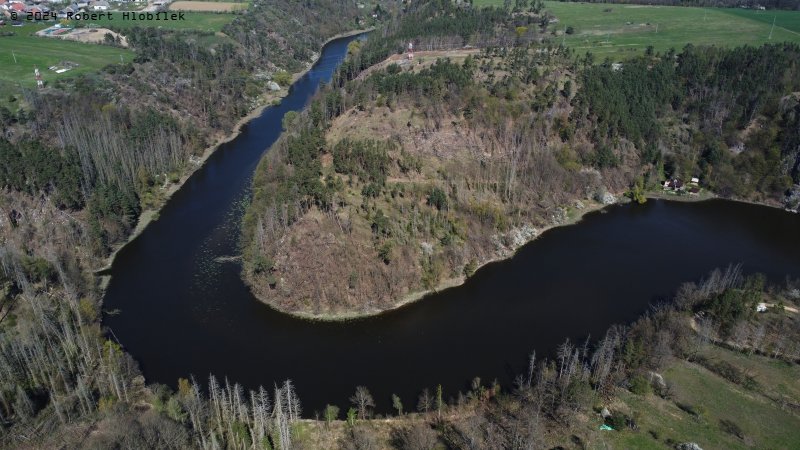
405 175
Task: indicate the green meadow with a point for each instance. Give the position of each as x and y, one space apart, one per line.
619 31
23 51
200 21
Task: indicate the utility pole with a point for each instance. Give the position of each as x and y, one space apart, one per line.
773 27
564 38
656 28
14 56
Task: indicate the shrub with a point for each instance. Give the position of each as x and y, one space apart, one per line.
731 427
694 410
469 268
282 77
385 252
380 224
262 263
617 421
371 190
640 385
438 199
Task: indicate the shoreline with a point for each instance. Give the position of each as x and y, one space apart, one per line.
149 215
415 296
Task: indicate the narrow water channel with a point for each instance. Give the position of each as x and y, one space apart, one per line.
183 310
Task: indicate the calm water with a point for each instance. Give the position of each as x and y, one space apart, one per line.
183 312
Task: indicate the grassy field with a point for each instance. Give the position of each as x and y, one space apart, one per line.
203 5
762 422
619 31
34 51
200 21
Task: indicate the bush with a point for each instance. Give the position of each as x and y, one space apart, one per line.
262 263
371 190
469 268
438 199
729 372
282 77
617 421
640 385
38 269
731 427
385 252
697 411
380 224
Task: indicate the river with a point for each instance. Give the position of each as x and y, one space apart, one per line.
183 310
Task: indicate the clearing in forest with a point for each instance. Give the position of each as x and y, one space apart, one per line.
22 51
619 31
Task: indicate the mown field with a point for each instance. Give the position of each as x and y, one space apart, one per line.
618 31
34 51
200 21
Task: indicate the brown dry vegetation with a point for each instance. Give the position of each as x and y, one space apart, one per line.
498 169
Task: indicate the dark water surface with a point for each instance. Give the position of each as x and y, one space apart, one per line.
185 312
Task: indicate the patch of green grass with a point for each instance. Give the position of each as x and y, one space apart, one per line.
776 378
199 21
763 423
719 407
617 31
620 31
33 51
788 20
8 98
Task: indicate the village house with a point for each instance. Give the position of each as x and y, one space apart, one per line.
68 11
674 184
99 5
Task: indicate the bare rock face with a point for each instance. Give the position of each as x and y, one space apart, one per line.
520 236
688 446
657 380
273 86
792 200
605 197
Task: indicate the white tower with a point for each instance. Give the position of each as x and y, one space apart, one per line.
410 50
39 82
